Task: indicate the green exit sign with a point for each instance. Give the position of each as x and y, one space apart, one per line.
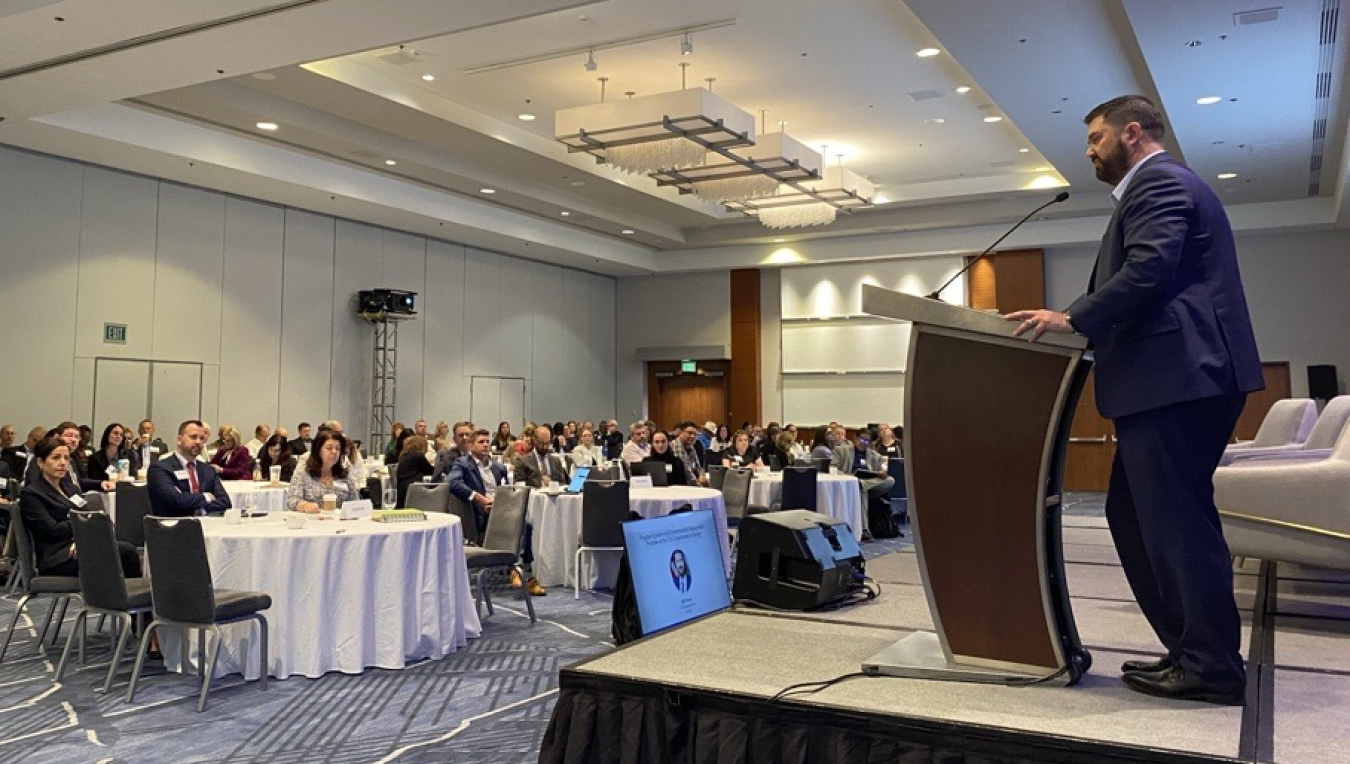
688 367
115 334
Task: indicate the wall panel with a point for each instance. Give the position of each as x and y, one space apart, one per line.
188 266
118 222
358 262
250 330
445 392
306 319
405 267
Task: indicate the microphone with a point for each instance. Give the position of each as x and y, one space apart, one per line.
936 295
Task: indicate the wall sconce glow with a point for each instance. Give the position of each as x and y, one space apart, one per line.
784 256
927 52
1227 175
1041 182
1207 100
268 126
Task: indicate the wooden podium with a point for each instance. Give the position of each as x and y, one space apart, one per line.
987 420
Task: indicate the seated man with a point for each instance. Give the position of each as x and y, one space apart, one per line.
860 459
538 467
77 480
473 479
182 486
636 449
446 458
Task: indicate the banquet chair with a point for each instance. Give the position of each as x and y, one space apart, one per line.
799 488
59 588
716 474
1321 440
821 463
899 495
183 596
609 472
133 504
1286 426
604 507
103 588
736 496
428 497
501 544
468 520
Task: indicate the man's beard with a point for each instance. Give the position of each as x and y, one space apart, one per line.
1112 167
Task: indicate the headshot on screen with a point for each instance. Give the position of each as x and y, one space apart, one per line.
679 571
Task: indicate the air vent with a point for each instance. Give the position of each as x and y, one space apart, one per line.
925 95
1003 163
1261 16
1326 57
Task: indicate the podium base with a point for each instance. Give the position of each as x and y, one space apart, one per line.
920 656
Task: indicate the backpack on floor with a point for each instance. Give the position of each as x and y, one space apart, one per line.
880 520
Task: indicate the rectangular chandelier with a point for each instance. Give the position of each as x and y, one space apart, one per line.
746 172
815 203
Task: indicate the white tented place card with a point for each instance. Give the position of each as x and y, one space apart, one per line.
357 509
640 481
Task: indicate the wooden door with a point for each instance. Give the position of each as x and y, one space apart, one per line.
699 396
1258 405
1087 463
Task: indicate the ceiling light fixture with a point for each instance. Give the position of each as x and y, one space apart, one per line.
935 121
565 213
746 172
1207 100
686 45
526 117
590 64
818 203
269 126
1024 151
627 232
487 190
993 119
429 78
1227 175
963 89
927 52
390 162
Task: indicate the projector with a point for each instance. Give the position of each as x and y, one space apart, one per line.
389 301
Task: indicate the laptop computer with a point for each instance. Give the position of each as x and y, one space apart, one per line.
677 569
657 470
578 480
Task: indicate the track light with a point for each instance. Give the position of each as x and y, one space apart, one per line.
686 45
590 61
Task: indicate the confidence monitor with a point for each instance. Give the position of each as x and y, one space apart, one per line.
676 563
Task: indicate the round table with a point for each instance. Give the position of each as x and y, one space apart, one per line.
265 496
557 528
838 496
346 595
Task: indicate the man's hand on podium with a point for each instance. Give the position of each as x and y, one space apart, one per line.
1039 322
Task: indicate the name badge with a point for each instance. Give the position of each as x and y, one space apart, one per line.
154 449
670 468
4 482
78 501
181 474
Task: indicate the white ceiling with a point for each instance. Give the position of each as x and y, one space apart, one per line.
169 90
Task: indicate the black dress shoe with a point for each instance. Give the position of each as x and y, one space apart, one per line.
1178 684
1148 667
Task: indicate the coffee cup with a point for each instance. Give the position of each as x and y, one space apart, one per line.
141 475
275 471
233 517
295 522
329 502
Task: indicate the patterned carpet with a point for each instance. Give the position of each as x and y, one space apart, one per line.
488 703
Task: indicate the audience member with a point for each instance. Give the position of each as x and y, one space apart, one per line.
391 447
322 474
459 448
822 444
112 449
503 439
587 454
636 449
888 442
721 439
412 465
78 473
260 435
661 453
145 436
232 461
740 454
7 436
19 456
276 452
303 442
690 452
540 467
440 439
46 504
391 456
178 485
612 442
474 477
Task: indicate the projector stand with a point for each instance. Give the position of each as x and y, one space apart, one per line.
920 656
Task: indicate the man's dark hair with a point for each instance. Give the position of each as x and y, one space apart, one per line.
183 427
1121 111
479 433
302 425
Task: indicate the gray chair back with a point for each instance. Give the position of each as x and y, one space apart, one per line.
467 519
799 488
1327 430
101 582
428 497
896 469
657 471
604 507
736 493
24 561
821 463
133 504
180 574
716 474
506 523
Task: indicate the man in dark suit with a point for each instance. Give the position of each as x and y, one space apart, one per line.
1176 357
538 467
302 441
474 478
462 432
179 484
19 456
76 477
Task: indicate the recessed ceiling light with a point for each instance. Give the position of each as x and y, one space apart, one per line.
934 121
525 117
927 52
1227 175
1042 169
266 126
487 190
428 78
627 232
1207 100
391 162
1024 151
565 213
963 89
995 118
779 241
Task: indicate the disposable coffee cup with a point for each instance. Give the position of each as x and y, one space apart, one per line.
329 502
233 517
275 471
141 475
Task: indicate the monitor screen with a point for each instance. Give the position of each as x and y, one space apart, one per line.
677 568
578 479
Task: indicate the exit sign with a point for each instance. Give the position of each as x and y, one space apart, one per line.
115 334
688 367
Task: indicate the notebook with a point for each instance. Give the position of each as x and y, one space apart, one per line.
677 568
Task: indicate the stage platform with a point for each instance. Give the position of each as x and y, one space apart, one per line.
702 692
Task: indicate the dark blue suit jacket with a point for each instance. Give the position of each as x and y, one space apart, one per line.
465 480
1165 309
171 497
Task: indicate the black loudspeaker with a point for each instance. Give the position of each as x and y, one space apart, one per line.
795 560
1322 382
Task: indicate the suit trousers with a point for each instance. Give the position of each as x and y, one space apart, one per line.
1160 507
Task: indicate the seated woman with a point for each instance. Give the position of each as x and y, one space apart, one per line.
232 461
503 439
322 474
661 453
112 449
722 440
740 453
587 454
276 452
440 440
45 504
822 446
412 465
391 456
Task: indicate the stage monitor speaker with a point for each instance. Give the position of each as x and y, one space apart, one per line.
1322 382
795 560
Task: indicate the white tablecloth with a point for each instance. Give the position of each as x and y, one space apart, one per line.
838 496
265 496
557 527
346 595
